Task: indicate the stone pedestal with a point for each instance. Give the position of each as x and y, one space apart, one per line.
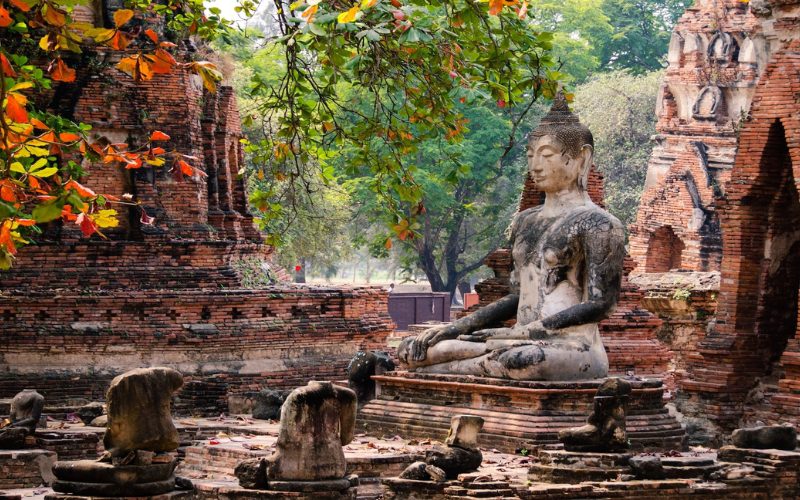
335 489
517 414
92 478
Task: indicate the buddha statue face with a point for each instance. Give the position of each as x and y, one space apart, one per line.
553 169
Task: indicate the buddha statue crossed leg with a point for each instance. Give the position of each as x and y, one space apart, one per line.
567 256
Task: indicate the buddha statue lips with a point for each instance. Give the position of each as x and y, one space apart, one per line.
567 256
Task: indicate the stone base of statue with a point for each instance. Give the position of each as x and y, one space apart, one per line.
567 467
326 489
92 478
517 414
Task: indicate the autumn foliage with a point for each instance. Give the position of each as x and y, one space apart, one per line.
43 156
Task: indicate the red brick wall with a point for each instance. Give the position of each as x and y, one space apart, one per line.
230 342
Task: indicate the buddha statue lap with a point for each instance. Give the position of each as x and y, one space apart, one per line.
567 256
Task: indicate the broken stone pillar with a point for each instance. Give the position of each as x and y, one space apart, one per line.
26 411
361 369
139 436
605 429
316 421
779 437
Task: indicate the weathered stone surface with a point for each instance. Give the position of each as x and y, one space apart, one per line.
100 421
454 460
420 471
781 437
89 412
139 415
252 473
556 336
267 404
316 421
100 472
605 429
647 467
114 490
360 370
464 431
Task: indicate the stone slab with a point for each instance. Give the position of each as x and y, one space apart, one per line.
517 414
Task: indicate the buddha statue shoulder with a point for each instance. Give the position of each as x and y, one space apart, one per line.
567 258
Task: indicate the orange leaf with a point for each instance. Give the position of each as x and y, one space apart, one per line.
157 135
25 222
24 7
50 136
67 214
82 190
151 35
122 16
39 124
495 6
62 72
137 67
5 237
33 182
157 151
186 168
68 137
163 62
5 17
8 191
16 110
388 244
119 41
8 70
53 15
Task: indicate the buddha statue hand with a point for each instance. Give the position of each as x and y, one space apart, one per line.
418 349
531 331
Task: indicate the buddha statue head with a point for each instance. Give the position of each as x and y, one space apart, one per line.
560 150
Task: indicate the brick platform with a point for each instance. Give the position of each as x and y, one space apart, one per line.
26 468
517 414
227 343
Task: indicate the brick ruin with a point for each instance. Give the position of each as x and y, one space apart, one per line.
707 89
755 336
715 238
76 312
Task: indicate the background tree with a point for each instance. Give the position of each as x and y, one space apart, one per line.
469 195
619 109
641 33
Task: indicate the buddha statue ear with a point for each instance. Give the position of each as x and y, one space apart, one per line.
586 158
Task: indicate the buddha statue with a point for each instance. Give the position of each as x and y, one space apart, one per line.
567 257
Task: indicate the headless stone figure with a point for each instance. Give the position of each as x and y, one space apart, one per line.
26 410
605 429
316 421
139 415
567 256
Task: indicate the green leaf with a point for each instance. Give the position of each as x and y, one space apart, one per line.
47 212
